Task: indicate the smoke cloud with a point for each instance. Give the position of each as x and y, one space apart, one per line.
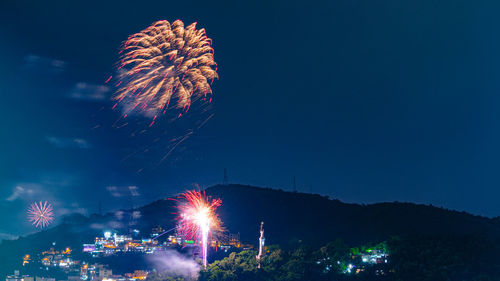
173 264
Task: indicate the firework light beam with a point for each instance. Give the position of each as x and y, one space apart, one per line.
41 214
197 219
166 64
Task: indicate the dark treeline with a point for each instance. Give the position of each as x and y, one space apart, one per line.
441 258
422 258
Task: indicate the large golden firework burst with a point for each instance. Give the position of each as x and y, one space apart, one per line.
165 65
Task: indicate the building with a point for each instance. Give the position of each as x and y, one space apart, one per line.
15 277
156 231
44 279
104 272
234 240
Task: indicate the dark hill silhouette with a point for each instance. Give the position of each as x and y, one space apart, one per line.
289 217
315 219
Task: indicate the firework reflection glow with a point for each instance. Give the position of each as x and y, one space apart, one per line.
197 219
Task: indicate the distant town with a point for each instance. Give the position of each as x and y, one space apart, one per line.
112 243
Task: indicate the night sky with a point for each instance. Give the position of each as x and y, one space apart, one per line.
362 100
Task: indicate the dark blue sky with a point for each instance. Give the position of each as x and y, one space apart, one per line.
363 100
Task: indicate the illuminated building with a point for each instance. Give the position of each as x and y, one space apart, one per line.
84 271
156 231
119 239
374 257
176 240
26 259
107 235
14 277
138 275
44 279
234 240
74 278
104 272
87 248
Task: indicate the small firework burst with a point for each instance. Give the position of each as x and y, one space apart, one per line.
40 214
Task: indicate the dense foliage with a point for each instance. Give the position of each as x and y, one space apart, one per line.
302 263
445 258
417 258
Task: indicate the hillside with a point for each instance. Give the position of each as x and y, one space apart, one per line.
289 218
314 219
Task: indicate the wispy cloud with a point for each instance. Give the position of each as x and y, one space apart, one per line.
123 191
72 209
7 236
136 215
108 225
20 192
134 190
29 192
35 62
89 92
68 142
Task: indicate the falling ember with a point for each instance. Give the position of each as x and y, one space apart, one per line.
154 118
197 219
167 61
40 214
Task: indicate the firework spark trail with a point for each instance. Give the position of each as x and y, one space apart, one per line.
165 232
175 146
40 214
197 219
206 120
163 62
185 137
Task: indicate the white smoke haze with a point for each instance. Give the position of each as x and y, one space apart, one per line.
173 264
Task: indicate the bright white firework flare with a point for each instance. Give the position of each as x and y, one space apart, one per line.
40 214
197 219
